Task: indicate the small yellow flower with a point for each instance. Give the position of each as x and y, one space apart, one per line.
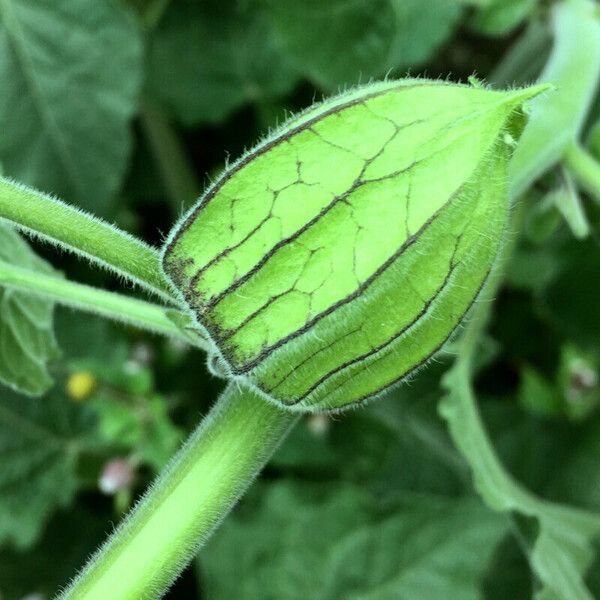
81 385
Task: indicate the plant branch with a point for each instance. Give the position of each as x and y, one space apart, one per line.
67 227
139 313
192 496
584 169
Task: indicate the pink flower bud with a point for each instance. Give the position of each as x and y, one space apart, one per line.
117 475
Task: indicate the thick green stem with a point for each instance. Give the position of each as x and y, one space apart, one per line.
195 492
139 313
584 168
72 229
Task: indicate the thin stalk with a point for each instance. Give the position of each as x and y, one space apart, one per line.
49 219
192 496
142 314
584 169
177 174
568 201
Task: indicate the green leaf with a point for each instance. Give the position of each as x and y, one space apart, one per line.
209 58
537 395
41 572
40 441
421 440
559 543
27 341
344 41
421 28
331 541
500 17
350 243
575 477
337 42
567 300
71 71
143 427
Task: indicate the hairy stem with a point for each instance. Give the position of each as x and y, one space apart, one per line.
145 315
194 493
65 226
584 169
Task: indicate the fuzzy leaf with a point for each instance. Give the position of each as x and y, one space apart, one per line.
71 71
353 547
27 341
39 443
352 242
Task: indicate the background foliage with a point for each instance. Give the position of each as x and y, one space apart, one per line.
128 109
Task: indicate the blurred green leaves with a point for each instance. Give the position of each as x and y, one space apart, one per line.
342 42
500 17
142 426
209 58
71 71
40 443
27 341
421 30
330 541
568 302
55 447
55 558
337 42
